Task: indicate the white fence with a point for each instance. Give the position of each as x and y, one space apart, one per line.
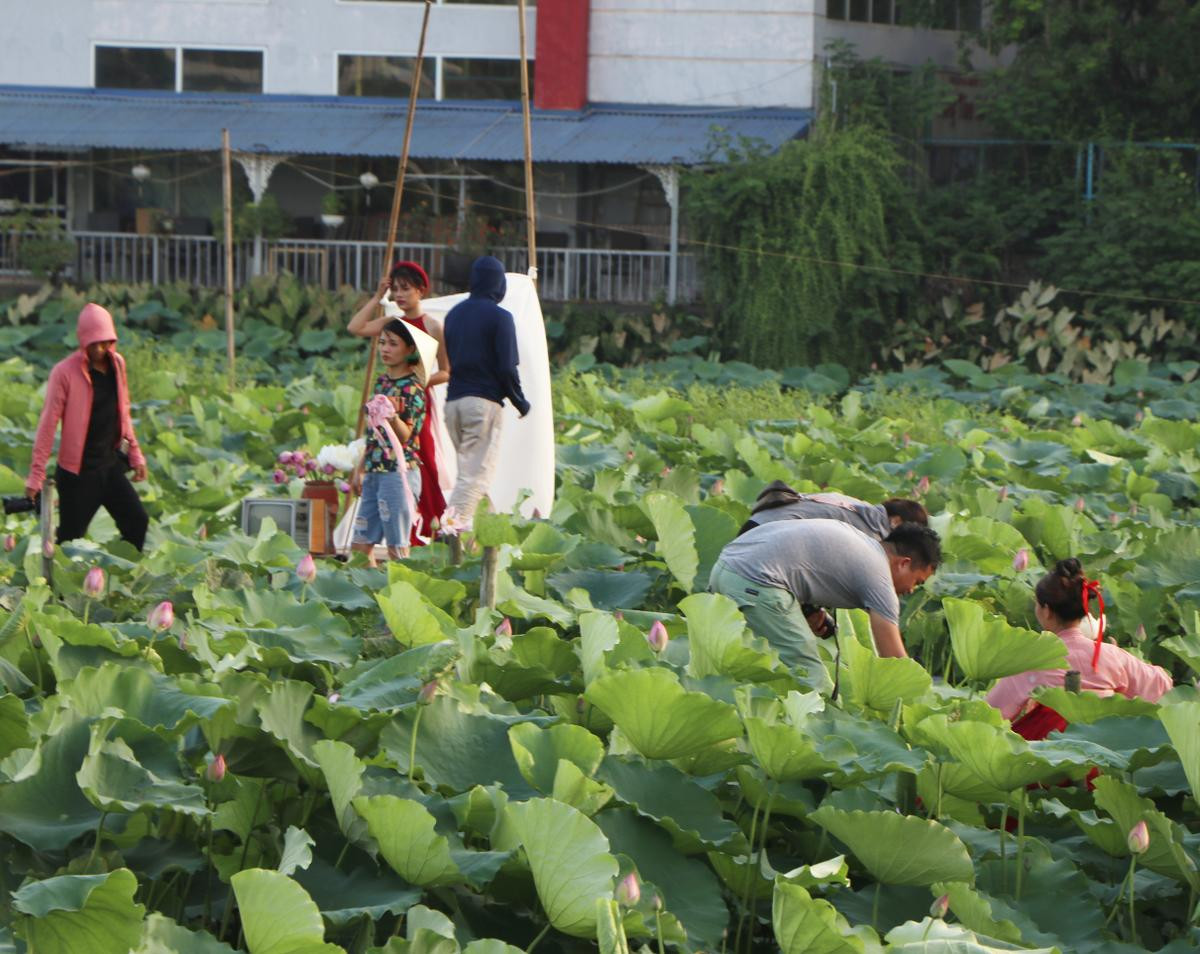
564 274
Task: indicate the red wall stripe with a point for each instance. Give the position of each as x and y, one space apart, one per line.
562 54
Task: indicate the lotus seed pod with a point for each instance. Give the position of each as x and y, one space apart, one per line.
162 617
306 569
216 769
1021 559
93 583
658 636
1138 839
629 890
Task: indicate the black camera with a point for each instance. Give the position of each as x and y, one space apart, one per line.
830 627
22 504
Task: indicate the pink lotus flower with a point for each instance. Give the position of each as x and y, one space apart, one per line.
286 458
923 485
505 627
333 697
1138 838
658 636
1114 519
9 543
306 569
1077 420
537 514
718 487
93 583
428 692
328 470
1021 560
279 477
202 533
343 486
618 615
162 617
1080 505
629 890
939 907
216 769
1003 495
1139 634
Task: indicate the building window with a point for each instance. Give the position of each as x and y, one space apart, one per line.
134 67
223 71
835 9
938 14
389 76
483 79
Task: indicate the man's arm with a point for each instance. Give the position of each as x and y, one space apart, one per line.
442 375
888 642
507 359
43 442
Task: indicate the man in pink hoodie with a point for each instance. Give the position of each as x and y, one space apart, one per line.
89 393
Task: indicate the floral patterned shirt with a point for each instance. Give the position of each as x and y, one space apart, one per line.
379 458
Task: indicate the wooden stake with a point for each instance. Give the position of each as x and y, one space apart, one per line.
227 189
489 571
398 195
530 213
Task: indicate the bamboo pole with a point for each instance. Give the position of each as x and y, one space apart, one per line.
530 212
398 195
227 204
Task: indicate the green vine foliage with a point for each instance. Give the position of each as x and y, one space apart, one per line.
806 250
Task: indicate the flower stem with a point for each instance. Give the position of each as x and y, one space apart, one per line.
96 846
412 748
1021 841
1133 937
540 934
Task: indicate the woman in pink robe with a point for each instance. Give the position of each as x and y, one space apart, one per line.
1104 668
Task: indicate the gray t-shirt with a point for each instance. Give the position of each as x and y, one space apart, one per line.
871 519
825 562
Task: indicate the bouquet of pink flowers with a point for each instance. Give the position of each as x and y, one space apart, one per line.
332 460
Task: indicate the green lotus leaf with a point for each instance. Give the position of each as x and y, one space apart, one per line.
989 648
444 594
719 643
161 935
343 772
411 618
676 536
1088 707
785 752
297 851
1000 758
684 808
361 890
899 849
490 945
282 716
537 661
714 529
660 718
278 916
44 806
408 841
114 780
937 937
14 726
804 924
1181 719
68 914
974 909
877 683
542 547
604 643
393 683
607 589
152 699
689 888
538 751
1166 854
570 861
610 929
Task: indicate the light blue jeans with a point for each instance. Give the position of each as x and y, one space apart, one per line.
383 513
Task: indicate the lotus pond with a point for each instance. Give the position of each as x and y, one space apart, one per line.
371 762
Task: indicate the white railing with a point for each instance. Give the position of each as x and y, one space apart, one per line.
564 274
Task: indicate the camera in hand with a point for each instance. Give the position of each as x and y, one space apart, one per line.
830 627
22 504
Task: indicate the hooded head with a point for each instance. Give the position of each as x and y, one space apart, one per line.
487 278
95 325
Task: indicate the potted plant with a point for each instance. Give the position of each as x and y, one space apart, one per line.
325 475
331 210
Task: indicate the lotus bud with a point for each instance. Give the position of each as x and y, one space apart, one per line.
718 487
923 485
304 410
629 890
1114 519
906 439
1139 417
1077 420
202 533
311 466
939 907
665 472
618 615
428 692
1080 505
580 704
48 549
1021 560
1138 838
162 617
343 486
216 769
328 469
279 477
306 569
629 455
1003 495
93 583
658 637
333 697
286 458
1139 634
9 543
505 627
537 513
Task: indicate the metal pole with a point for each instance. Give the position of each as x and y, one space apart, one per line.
227 188
394 219
530 212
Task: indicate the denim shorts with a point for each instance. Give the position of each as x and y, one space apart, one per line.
383 514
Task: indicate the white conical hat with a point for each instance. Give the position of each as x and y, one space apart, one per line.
427 350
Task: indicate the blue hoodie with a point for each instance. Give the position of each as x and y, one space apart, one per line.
481 341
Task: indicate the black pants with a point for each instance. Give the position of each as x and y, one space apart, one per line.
81 495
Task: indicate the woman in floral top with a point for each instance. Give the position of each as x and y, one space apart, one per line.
391 483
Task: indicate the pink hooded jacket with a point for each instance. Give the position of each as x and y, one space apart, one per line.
69 399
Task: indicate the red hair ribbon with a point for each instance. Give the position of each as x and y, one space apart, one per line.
1092 588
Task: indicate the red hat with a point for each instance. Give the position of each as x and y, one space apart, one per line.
413 266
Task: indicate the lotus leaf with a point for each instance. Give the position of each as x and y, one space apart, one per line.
278 916
719 644
804 924
899 849
69 913
989 648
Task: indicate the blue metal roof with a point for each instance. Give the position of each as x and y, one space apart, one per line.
61 118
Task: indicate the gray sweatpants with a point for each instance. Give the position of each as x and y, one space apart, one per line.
474 424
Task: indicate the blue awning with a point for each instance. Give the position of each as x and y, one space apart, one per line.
58 118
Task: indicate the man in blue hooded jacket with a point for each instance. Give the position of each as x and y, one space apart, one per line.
481 345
